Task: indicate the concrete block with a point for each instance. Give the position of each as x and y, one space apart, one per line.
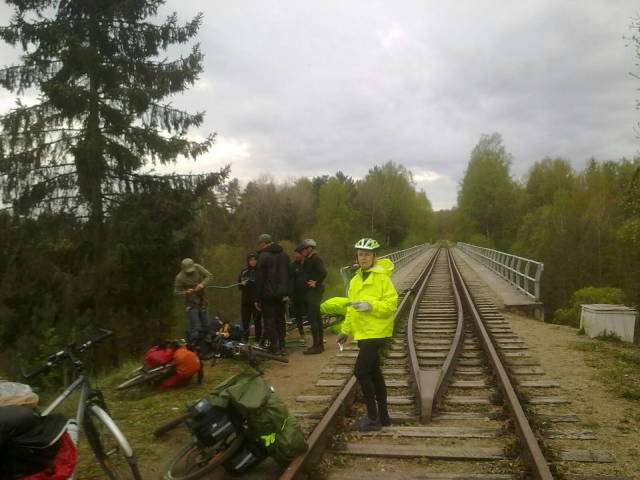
601 319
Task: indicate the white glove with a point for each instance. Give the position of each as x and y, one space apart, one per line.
361 306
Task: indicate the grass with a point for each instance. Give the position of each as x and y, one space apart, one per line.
617 364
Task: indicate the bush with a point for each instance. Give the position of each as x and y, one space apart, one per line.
571 315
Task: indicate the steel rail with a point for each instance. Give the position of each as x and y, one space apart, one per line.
423 381
453 354
431 384
524 431
318 437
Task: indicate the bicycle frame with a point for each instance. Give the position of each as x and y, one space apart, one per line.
80 382
91 411
88 400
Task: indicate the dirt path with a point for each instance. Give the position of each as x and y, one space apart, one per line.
300 374
616 421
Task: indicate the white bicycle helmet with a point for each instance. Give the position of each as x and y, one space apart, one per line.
367 244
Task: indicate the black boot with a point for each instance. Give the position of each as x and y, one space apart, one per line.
365 424
383 415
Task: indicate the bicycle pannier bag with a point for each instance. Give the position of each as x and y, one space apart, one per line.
62 466
213 426
250 454
28 442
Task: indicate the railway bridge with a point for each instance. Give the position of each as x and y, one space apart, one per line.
467 398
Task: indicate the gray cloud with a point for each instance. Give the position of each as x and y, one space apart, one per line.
302 88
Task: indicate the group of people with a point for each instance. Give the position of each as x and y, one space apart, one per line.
270 282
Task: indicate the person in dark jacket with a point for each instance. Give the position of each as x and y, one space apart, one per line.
272 289
315 273
248 311
298 289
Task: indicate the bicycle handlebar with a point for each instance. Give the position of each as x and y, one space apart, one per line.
90 343
67 353
37 371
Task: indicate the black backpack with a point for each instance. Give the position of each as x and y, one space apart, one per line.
28 441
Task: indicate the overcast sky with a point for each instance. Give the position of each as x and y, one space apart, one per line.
309 88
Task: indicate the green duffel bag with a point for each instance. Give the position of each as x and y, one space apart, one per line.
290 442
267 417
246 391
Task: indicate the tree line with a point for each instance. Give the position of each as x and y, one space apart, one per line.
53 289
584 224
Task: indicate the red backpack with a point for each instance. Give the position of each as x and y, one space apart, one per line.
158 355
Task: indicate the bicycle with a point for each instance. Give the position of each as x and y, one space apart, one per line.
234 349
208 450
109 445
142 375
234 434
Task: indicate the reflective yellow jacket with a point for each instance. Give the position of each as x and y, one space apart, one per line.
378 290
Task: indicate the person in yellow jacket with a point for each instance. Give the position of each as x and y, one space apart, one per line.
369 320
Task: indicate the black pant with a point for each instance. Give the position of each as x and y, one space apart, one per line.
314 299
298 310
369 374
275 328
281 322
248 312
198 323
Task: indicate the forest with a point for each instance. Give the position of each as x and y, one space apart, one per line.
582 223
92 236
53 290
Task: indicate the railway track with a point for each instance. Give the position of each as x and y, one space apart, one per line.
466 398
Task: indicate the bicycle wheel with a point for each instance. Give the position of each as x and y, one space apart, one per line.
109 445
194 461
146 377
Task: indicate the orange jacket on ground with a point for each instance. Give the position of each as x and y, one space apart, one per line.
187 362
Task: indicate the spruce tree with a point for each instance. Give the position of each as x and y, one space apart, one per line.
103 113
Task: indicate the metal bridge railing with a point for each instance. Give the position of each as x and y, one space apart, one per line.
398 258
523 273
